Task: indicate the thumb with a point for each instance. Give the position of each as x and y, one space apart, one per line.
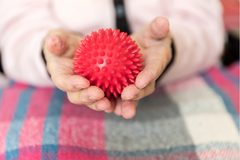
56 44
158 28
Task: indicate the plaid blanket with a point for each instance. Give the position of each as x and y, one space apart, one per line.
197 118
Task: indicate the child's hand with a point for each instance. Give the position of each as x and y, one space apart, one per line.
155 43
59 48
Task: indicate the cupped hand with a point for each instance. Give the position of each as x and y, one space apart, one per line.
154 40
59 48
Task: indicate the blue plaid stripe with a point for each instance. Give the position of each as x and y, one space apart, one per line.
12 139
51 126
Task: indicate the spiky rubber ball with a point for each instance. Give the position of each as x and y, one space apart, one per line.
109 59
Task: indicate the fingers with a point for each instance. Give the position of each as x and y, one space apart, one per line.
118 109
101 105
129 109
70 83
133 93
113 105
86 96
93 97
56 44
155 63
61 70
150 73
158 28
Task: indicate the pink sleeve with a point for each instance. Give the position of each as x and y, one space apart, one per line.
22 28
198 33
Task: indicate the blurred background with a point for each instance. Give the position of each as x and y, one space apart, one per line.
231 22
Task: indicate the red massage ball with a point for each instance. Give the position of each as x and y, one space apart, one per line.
109 59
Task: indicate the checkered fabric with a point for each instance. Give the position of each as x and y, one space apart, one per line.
197 118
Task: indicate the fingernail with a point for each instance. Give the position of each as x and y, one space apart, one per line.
143 86
99 108
78 87
91 98
131 97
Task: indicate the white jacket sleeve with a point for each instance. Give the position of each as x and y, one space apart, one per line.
23 26
198 33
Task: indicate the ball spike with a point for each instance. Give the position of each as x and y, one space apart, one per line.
136 72
93 61
125 52
135 59
116 64
109 77
109 54
106 84
101 76
95 53
103 88
118 75
111 47
95 46
118 90
108 61
136 50
116 41
123 67
115 81
123 59
116 56
96 69
115 94
112 71
90 71
133 67
111 89
102 53
108 94
130 76
93 78
131 55
138 64
125 84
98 84
104 69
84 74
100 61
102 46
129 63
138 55
123 44
118 49
131 81
128 71
108 40
124 79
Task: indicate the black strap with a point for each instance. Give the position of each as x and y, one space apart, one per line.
1 68
121 21
44 60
